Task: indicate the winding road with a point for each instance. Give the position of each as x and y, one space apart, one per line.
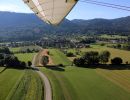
47 85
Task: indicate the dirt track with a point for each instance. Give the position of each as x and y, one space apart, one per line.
47 85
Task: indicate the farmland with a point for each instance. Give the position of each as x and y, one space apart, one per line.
74 83
14 50
125 55
21 84
58 57
29 87
25 48
25 57
113 36
8 79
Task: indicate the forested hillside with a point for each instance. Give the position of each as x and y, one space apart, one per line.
20 26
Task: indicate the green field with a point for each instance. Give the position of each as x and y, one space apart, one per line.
25 56
24 48
113 36
21 84
58 57
8 79
14 50
30 87
125 55
73 83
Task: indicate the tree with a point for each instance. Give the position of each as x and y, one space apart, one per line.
29 63
45 60
28 51
91 57
116 61
79 62
5 50
104 57
23 64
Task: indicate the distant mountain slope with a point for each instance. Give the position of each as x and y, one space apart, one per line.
22 26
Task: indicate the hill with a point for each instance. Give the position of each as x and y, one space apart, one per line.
20 26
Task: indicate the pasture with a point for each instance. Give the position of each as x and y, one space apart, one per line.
73 83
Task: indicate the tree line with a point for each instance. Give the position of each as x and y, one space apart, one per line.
95 58
8 59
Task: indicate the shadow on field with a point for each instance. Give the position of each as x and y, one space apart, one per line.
54 67
3 70
109 66
12 68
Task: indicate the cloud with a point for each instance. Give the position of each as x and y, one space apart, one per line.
14 8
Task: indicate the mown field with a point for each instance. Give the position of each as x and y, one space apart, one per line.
21 84
30 48
24 48
113 36
58 57
25 56
125 55
14 50
73 83
8 79
29 87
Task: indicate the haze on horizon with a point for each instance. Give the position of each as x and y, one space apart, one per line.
80 11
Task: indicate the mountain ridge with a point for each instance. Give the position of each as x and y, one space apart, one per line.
22 25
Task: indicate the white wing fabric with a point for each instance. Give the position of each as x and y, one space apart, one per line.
51 11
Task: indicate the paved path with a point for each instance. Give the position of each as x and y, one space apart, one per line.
47 85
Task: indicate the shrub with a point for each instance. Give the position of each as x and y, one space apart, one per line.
70 54
61 65
29 63
102 44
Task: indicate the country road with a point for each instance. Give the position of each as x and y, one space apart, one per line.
47 85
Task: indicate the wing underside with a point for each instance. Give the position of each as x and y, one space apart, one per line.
51 11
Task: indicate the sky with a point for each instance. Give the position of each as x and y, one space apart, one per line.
80 11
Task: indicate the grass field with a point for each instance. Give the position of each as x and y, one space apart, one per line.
25 56
8 79
14 50
24 48
72 83
113 36
30 87
1 69
30 48
125 55
58 57
21 84
119 77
